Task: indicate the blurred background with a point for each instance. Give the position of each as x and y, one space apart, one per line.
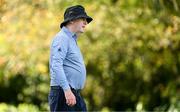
131 51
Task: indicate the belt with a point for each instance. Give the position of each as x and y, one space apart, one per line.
72 89
56 87
76 90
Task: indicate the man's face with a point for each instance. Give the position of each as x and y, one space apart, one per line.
79 25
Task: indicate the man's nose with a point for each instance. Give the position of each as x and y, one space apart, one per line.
85 22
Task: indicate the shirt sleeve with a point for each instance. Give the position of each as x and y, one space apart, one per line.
59 51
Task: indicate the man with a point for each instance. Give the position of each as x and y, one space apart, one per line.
67 69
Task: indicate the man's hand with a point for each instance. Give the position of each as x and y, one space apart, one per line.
70 98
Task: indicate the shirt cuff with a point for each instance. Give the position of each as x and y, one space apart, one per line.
66 88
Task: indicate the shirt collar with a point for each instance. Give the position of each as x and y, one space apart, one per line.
69 33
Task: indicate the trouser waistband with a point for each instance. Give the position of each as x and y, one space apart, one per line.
72 89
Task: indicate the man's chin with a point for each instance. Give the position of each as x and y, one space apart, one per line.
82 31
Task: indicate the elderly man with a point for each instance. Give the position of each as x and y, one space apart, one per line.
67 69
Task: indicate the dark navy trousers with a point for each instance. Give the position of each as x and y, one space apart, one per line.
57 101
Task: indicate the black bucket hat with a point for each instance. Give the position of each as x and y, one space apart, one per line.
75 12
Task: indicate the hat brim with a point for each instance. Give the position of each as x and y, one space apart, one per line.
88 19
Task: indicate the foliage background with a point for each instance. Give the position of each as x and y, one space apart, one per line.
131 51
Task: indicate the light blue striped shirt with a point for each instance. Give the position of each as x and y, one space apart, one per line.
66 63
